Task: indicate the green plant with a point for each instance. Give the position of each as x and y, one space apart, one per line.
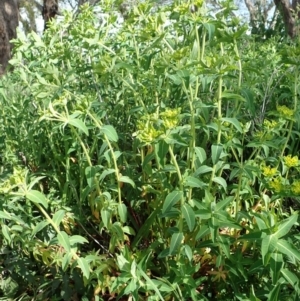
154 159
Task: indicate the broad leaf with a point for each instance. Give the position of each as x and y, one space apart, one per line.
126 179
216 150
176 240
189 216
84 266
37 198
58 217
79 124
110 132
122 211
63 239
171 199
286 248
285 226
268 245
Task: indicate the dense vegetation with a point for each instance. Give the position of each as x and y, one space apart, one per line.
154 159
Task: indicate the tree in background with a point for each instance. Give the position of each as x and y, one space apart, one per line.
50 11
290 13
9 19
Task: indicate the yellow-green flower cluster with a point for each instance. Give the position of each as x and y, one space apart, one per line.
296 187
182 8
270 124
285 111
276 184
16 179
268 171
147 133
291 161
170 118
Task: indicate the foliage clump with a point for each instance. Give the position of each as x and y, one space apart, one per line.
154 158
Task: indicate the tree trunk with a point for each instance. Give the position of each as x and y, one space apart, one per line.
289 15
9 19
50 10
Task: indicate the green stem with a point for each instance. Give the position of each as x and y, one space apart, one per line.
99 125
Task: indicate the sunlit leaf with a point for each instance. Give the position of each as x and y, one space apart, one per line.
37 197
122 210
63 239
84 266
110 132
79 124
176 240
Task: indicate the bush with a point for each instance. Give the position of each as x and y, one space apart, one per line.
153 158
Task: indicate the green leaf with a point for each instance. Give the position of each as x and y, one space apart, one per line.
285 226
161 149
188 252
200 154
202 169
37 198
117 231
66 261
176 240
268 245
291 278
84 266
221 181
189 216
252 295
77 239
105 216
234 122
216 150
126 179
79 124
286 248
276 264
171 199
90 173
150 283
5 232
274 294
222 204
58 217
63 239
5 215
41 225
122 210
128 230
193 182
110 132
229 95
144 230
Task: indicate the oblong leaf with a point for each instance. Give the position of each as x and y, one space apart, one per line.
171 199
285 226
79 124
37 198
58 217
216 150
40 226
110 132
126 179
220 181
176 240
189 216
122 211
84 266
63 239
193 182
